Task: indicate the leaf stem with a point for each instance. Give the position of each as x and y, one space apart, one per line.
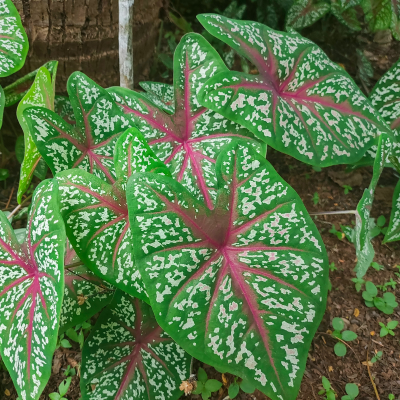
19 206
333 212
370 377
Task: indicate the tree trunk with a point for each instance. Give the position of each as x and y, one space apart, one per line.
83 36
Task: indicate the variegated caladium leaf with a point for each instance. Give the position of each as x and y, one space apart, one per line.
393 231
189 140
31 290
2 102
13 40
362 231
395 21
345 12
63 107
96 214
89 144
128 356
41 94
85 294
242 287
17 90
305 13
161 94
300 103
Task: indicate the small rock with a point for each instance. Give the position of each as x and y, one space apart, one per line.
355 321
383 37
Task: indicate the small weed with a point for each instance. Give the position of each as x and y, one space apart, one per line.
378 355
327 390
332 267
62 390
347 189
338 325
386 303
358 283
388 329
246 387
377 267
206 386
352 391
315 198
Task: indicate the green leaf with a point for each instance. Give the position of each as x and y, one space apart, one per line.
381 221
89 143
393 232
338 324
352 390
13 40
65 343
369 303
383 332
347 397
362 231
4 174
202 375
90 204
233 390
367 296
340 349
128 356
331 395
54 396
41 94
41 168
64 386
161 94
63 107
378 14
189 140
346 15
17 90
32 287
371 289
348 336
288 109
325 383
390 299
305 13
199 387
206 394
392 324
246 386
205 261
213 385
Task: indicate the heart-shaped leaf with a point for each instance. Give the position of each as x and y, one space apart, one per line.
31 290
63 107
96 214
305 13
345 12
17 90
128 356
242 287
362 231
85 294
13 40
378 14
88 145
189 140
41 94
161 94
300 103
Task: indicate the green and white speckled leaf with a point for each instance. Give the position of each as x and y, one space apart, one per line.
128 356
395 22
17 90
89 144
362 231
393 231
161 94
305 13
378 14
41 94
345 12
242 287
189 140
63 107
96 214
85 294
300 103
2 102
31 290
13 40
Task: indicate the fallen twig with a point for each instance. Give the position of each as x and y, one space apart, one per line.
372 380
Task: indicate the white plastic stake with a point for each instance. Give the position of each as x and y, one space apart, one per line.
125 43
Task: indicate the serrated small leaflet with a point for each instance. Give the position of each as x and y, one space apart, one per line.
85 294
242 287
300 103
189 140
41 94
31 290
96 214
128 356
13 40
89 143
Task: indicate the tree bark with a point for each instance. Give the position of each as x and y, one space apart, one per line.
83 36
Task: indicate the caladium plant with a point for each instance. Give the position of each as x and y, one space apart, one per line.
17 90
31 290
305 13
85 294
89 143
63 107
300 103
96 214
242 287
189 140
41 94
128 356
